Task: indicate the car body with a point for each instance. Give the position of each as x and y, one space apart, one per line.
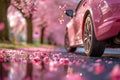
103 19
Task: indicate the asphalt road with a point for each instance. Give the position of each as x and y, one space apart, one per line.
54 63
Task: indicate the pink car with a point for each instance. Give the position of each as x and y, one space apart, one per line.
95 24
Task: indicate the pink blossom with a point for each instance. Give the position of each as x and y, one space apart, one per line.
98 60
76 63
99 69
43 54
46 60
74 77
115 73
53 66
64 61
37 60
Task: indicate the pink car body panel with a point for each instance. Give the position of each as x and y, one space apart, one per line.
105 16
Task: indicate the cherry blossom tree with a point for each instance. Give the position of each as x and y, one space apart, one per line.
27 8
53 12
54 18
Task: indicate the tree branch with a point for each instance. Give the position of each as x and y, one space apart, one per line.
20 10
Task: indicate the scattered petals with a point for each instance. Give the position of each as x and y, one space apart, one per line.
115 73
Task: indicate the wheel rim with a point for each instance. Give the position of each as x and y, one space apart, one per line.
87 35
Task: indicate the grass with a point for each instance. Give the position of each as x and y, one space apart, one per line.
22 45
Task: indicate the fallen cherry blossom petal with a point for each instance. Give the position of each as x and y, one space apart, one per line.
99 69
115 73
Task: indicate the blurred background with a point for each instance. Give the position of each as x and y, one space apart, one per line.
34 21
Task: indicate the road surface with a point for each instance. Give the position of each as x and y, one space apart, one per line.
54 63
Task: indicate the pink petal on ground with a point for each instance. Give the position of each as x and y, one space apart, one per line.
36 60
46 60
99 69
53 66
53 76
98 60
75 77
65 61
43 54
115 73
110 62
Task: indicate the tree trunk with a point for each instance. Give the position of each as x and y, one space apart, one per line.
29 30
1 76
29 26
42 35
3 18
42 30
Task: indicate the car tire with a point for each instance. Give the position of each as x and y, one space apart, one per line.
67 43
92 46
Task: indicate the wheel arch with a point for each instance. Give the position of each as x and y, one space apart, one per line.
85 15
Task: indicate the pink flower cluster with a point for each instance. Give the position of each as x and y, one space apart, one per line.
27 7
